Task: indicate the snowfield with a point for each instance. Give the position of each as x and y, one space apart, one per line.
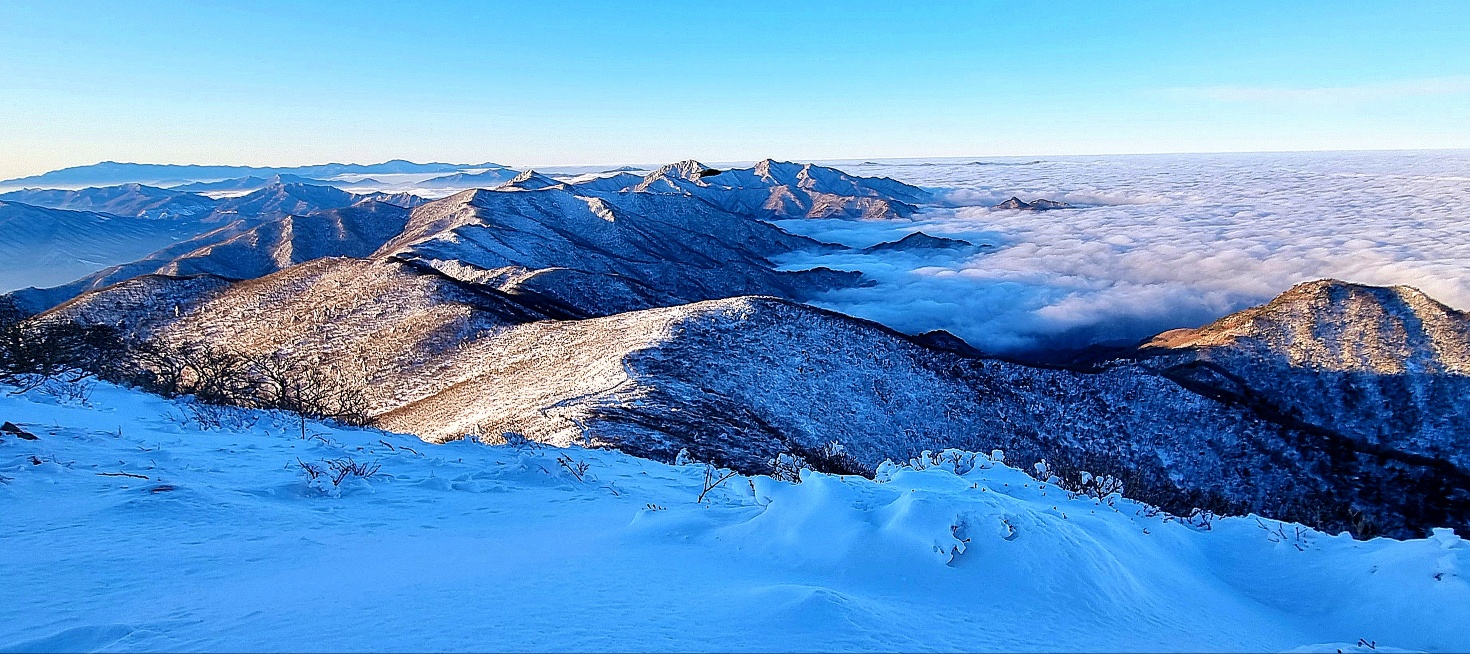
126 525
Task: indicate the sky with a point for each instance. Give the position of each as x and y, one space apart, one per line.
530 83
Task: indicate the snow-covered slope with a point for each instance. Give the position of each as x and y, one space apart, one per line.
220 541
134 200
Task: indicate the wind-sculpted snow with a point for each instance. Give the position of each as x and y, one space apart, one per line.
1154 242
129 526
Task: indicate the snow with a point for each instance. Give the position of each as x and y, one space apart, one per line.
228 546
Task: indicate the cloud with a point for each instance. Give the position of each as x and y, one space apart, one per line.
1163 242
1327 95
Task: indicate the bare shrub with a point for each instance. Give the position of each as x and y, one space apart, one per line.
219 376
577 468
337 471
713 478
33 354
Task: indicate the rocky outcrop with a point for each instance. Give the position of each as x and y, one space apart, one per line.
919 241
1039 204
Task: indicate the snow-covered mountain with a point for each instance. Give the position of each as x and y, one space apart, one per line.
775 190
1385 369
590 255
743 380
284 199
919 241
135 200
105 251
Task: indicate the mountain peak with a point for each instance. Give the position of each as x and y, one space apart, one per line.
1330 324
922 241
530 180
687 169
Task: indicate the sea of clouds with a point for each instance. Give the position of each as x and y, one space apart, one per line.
1156 242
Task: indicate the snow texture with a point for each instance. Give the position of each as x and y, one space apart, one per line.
128 526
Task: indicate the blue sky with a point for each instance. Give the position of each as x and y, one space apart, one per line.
525 83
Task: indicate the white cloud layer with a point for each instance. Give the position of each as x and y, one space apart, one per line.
1158 242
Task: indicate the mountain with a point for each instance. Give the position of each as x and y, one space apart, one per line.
1039 204
620 181
529 180
561 251
41 246
114 257
635 319
134 200
249 183
597 256
919 241
487 179
1381 369
742 380
778 190
111 172
282 199
405 200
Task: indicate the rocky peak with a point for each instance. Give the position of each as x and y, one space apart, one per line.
529 180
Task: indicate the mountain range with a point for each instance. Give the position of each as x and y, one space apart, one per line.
111 172
648 316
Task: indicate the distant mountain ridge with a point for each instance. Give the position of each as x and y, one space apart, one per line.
135 200
182 238
110 173
52 246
